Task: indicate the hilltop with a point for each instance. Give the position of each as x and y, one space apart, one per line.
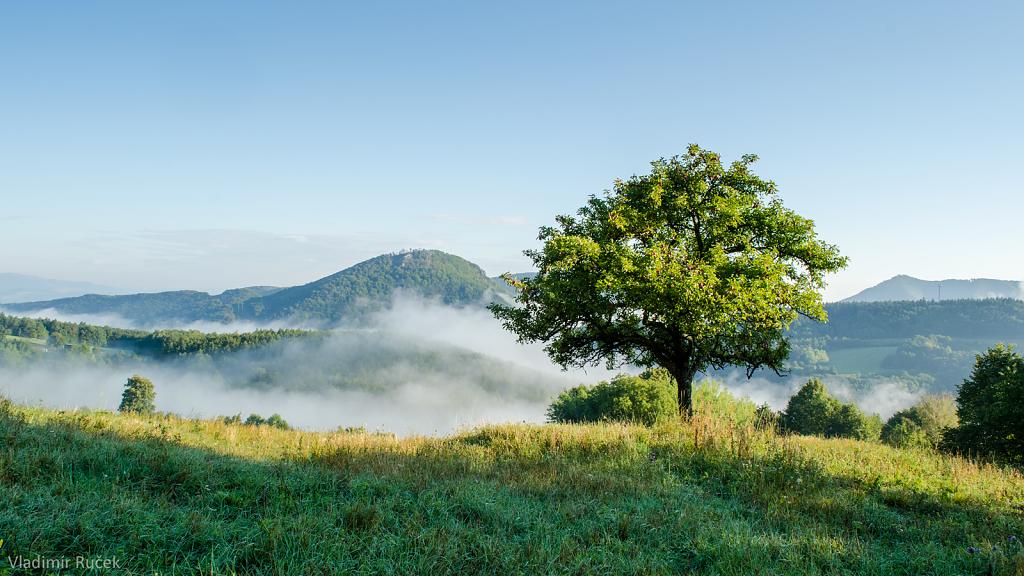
171 495
369 285
904 287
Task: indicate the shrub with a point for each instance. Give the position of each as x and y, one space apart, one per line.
139 396
989 408
921 425
813 411
275 421
810 410
848 421
255 420
644 399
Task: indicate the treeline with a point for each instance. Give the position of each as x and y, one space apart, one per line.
998 319
61 333
160 343
189 342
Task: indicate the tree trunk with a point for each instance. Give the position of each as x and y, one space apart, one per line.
684 389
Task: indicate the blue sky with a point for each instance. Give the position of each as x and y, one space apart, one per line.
211 144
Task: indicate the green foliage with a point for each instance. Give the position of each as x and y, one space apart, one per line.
255 420
712 400
974 319
696 265
989 407
650 398
902 431
933 354
275 421
183 305
921 425
190 342
847 421
370 286
765 419
810 410
139 396
645 399
813 411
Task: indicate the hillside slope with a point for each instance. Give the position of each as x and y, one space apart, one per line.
174 496
904 287
181 306
370 285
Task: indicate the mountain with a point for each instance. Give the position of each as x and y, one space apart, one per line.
351 293
904 287
21 288
370 285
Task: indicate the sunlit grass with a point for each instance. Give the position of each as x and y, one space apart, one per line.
173 495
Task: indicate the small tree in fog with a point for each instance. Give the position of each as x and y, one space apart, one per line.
139 396
277 421
255 420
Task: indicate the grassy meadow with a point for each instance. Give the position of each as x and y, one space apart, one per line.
166 495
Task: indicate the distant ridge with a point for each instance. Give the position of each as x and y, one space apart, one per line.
349 294
21 287
904 287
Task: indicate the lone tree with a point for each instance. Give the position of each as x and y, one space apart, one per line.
693 266
138 396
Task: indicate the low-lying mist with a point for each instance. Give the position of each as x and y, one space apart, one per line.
417 367
883 397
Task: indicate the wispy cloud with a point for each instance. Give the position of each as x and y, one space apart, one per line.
481 219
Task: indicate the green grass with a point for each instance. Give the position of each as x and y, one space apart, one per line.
31 341
175 496
867 359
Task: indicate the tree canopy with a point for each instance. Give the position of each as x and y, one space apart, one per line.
989 407
696 265
139 396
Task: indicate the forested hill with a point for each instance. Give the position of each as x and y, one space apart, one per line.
362 288
971 319
904 287
369 285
